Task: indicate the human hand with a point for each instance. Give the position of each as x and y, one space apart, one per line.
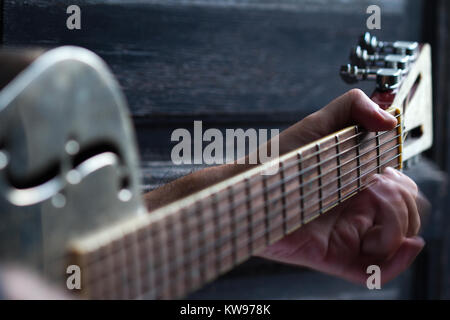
377 226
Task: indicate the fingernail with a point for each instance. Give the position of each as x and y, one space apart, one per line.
386 115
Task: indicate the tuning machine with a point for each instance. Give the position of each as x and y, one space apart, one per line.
362 59
385 78
373 45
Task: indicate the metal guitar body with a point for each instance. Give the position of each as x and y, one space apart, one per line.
68 160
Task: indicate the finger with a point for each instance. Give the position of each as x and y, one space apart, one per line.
390 223
409 191
354 107
402 179
402 259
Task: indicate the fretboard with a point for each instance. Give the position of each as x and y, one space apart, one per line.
176 249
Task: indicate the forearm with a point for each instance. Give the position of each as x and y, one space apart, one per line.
190 184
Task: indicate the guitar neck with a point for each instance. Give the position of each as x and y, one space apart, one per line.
178 248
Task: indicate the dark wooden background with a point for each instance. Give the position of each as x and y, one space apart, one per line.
245 63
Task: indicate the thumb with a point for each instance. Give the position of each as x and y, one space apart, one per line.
353 107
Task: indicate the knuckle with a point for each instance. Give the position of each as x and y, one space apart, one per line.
356 94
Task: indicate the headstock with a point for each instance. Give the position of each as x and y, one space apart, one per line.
401 71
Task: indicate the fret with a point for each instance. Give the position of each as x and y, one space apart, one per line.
249 216
258 207
162 256
274 204
378 152
110 291
338 161
201 238
291 186
217 230
233 224
239 220
358 162
225 245
266 211
133 264
147 266
300 178
170 289
120 268
319 170
283 198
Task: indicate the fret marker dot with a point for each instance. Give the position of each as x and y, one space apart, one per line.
58 200
125 195
72 147
73 177
3 160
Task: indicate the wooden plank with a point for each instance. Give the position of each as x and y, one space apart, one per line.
271 58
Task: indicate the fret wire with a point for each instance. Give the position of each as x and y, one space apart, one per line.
283 199
300 181
171 235
319 171
358 160
215 245
266 211
338 162
187 245
164 254
299 174
217 233
221 256
219 226
358 177
378 151
232 223
202 238
151 264
249 216
315 179
305 170
124 269
134 260
333 146
267 216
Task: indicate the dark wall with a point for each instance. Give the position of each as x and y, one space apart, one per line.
240 63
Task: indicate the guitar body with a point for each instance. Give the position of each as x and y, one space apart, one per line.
68 160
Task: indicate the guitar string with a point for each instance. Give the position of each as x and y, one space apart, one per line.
308 169
235 205
221 241
276 212
218 212
333 146
161 270
341 142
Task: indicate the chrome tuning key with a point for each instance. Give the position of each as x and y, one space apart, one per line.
386 78
373 45
362 59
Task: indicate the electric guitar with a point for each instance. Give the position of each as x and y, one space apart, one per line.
69 177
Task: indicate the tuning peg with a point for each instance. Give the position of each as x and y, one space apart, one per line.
386 78
361 58
373 45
